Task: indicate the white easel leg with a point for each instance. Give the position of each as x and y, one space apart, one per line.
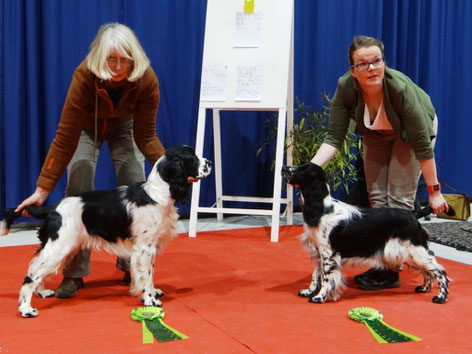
290 120
289 162
192 232
218 167
279 155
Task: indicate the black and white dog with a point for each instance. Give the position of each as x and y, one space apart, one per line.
337 233
130 221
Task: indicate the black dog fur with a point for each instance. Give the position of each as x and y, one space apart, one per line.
131 221
337 233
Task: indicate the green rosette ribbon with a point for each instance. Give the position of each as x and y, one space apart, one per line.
379 329
153 326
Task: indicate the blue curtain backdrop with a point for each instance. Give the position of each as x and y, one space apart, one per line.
43 41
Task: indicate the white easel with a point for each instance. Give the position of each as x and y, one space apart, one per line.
275 54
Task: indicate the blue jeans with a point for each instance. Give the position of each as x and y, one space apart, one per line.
129 168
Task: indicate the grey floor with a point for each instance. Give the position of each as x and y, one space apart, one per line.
22 236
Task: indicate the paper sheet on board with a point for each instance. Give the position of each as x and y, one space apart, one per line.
249 83
213 86
247 32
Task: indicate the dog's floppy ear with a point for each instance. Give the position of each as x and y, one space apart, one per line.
179 192
172 171
314 190
313 207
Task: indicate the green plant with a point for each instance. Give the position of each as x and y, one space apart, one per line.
308 133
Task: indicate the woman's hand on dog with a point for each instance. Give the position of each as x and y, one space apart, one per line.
37 198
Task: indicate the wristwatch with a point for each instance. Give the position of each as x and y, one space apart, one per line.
434 188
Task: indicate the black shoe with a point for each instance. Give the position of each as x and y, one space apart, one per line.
68 287
371 273
377 279
127 278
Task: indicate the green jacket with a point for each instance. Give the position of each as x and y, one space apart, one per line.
408 108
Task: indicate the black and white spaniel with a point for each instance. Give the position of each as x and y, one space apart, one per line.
130 221
337 233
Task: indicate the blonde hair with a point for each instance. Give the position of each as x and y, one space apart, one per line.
119 38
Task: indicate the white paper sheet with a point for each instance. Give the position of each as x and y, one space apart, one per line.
213 87
249 83
247 32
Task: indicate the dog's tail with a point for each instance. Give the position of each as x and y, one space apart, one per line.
8 219
428 210
38 212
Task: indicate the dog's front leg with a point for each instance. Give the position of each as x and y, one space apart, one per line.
142 273
315 278
331 278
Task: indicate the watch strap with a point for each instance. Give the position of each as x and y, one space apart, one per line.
434 188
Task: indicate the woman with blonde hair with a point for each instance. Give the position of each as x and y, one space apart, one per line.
113 97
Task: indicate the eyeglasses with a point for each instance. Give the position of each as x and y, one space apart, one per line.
376 63
112 61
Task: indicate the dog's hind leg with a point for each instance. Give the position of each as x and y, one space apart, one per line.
47 261
427 283
43 292
424 260
315 278
24 302
331 278
142 272
26 292
33 283
443 283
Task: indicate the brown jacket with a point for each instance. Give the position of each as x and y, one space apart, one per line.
140 101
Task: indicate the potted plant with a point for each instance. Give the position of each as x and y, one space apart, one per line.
308 133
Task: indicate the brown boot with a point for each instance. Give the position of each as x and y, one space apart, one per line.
68 287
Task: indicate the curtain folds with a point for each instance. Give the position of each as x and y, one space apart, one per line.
43 41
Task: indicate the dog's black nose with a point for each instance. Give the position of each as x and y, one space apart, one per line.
286 172
207 166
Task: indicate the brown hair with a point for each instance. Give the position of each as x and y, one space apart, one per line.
364 41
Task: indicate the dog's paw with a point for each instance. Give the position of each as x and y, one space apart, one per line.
152 302
305 293
45 293
439 299
422 289
27 311
158 293
151 299
317 299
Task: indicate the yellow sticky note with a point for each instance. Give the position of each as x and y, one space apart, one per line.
249 6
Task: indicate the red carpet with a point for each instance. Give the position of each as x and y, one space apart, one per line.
230 291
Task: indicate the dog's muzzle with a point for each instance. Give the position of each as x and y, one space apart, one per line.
203 171
287 173
206 167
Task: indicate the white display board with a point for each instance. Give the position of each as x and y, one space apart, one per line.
247 65
246 50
